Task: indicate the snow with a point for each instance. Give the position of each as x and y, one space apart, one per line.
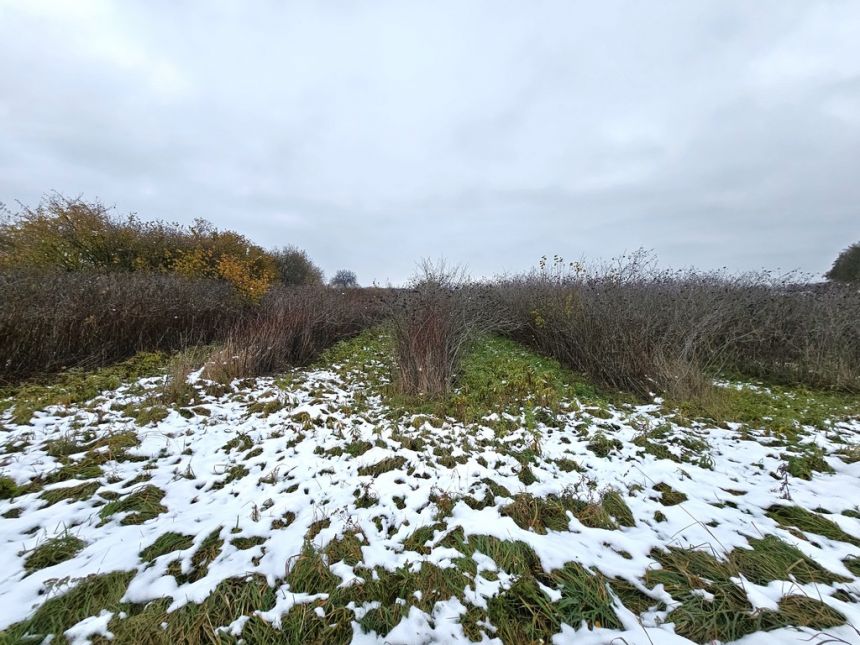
295 472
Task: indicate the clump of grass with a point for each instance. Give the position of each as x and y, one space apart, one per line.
318 622
524 614
809 522
346 548
603 446
618 508
308 573
8 488
772 559
143 504
727 614
803 611
315 528
241 442
89 596
197 623
384 466
585 598
852 563
205 554
514 556
417 540
83 469
540 514
244 543
76 493
166 543
53 551
668 495
809 462
686 574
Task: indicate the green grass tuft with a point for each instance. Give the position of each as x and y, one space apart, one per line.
166 543
141 505
53 551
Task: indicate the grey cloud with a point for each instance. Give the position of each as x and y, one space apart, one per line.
720 133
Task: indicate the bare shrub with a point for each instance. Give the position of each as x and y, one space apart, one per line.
433 323
50 320
291 327
635 328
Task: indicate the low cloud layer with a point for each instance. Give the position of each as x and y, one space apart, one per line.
372 134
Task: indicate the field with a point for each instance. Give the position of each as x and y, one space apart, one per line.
143 502
202 442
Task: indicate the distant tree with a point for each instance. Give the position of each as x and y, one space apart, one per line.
344 278
846 268
296 268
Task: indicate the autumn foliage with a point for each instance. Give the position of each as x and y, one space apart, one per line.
74 235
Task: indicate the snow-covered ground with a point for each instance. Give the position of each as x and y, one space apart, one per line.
315 457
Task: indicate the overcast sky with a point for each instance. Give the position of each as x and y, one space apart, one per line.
375 133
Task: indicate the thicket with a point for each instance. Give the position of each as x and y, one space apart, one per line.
846 267
70 234
633 327
295 268
52 320
80 287
291 327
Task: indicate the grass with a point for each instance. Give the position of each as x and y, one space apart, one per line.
540 514
141 505
772 559
166 543
53 551
585 598
778 409
77 385
386 465
668 495
810 461
87 598
74 493
727 615
496 375
9 488
809 522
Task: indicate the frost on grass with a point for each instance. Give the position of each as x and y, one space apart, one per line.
313 507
